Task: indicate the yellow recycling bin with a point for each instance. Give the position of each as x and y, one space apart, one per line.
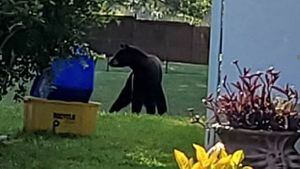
60 116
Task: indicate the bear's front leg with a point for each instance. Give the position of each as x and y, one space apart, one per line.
125 96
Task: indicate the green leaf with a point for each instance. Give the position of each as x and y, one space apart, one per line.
52 2
237 157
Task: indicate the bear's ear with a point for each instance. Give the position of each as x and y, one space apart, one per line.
123 46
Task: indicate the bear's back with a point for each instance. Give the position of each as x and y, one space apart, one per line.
150 71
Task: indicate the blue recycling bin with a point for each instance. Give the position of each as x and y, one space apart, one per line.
68 79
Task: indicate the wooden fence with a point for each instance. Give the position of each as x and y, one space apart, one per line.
171 41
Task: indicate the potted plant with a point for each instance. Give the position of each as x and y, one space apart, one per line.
259 117
215 158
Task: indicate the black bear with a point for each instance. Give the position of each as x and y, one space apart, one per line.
143 86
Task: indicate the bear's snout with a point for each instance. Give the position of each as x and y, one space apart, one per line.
113 62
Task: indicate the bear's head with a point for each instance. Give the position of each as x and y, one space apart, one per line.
121 58
126 56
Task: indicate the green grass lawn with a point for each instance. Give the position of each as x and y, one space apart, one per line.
122 140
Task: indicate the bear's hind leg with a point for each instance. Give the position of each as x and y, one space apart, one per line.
150 106
138 98
161 101
136 106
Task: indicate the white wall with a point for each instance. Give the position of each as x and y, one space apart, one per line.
263 33
258 33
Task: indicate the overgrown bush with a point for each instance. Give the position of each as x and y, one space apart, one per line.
34 31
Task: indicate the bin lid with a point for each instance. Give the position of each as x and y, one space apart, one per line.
31 98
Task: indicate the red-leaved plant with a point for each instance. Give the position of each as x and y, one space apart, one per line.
251 102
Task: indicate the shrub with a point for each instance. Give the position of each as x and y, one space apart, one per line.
215 158
254 101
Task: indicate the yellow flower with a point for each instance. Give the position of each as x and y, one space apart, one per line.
223 162
237 158
198 165
202 156
182 160
247 167
215 158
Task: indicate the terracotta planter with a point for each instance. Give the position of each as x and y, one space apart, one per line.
263 149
